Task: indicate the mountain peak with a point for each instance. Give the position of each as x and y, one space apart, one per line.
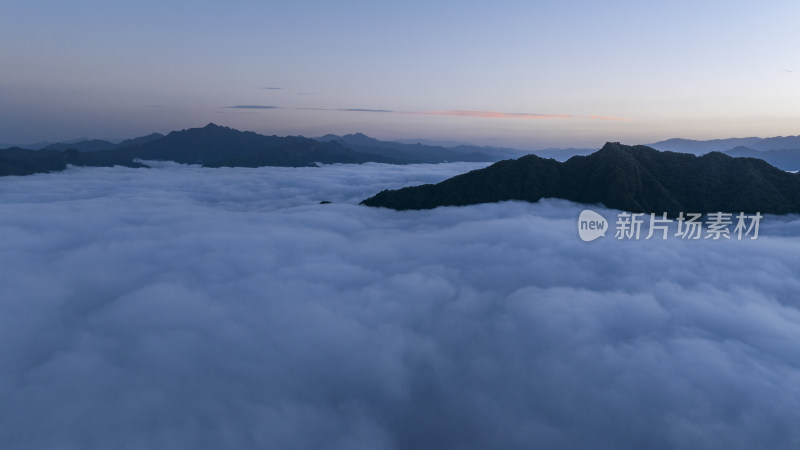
613 147
629 178
358 138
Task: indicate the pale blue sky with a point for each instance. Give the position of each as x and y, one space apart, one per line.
445 70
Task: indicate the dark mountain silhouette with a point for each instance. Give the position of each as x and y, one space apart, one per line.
630 178
93 145
216 146
408 153
563 154
306 152
89 145
42 144
17 161
212 146
140 140
783 159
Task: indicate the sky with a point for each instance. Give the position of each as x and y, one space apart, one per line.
529 74
232 310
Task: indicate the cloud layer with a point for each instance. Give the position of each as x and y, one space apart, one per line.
181 307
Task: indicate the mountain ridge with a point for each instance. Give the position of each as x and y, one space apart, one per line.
93 145
217 146
698 147
786 159
408 153
630 178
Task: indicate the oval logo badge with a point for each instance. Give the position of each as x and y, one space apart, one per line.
591 225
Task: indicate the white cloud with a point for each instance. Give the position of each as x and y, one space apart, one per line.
181 307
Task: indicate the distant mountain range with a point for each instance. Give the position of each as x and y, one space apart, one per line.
93 145
788 159
562 154
217 146
17 161
722 145
782 152
412 153
630 178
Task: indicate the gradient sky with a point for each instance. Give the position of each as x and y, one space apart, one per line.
522 73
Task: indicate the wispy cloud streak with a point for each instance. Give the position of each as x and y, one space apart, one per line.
478 114
348 110
253 107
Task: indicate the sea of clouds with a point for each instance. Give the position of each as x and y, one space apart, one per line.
187 308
